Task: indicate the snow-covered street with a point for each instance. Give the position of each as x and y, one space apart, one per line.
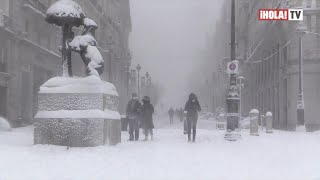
281 155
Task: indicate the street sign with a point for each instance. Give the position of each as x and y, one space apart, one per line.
233 67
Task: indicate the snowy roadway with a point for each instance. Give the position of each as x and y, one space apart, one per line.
281 155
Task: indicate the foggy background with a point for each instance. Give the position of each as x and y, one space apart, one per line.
168 39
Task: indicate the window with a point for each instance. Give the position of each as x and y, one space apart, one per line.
3 64
309 3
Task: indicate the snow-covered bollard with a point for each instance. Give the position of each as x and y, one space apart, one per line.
268 119
4 125
221 122
254 125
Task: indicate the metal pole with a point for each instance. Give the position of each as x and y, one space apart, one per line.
240 99
300 106
232 120
138 84
233 34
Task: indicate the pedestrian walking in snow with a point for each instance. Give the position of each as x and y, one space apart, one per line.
171 113
133 115
181 111
185 123
177 112
192 107
146 115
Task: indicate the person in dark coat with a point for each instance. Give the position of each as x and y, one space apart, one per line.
171 113
181 114
146 115
133 115
192 107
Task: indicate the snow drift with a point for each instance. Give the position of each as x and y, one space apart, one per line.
4 124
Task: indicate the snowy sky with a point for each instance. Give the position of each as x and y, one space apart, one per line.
167 39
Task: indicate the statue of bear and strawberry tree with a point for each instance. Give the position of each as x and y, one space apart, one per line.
66 14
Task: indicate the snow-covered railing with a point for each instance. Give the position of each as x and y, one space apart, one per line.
36 5
11 25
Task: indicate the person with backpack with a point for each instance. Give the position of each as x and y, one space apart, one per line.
192 107
133 115
147 111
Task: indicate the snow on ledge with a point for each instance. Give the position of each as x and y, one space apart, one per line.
92 113
90 84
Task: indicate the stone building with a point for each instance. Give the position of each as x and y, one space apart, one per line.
29 53
269 50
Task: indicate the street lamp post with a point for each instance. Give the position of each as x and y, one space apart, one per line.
232 119
147 82
149 85
233 97
301 30
138 69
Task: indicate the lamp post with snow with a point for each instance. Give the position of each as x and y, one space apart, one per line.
138 69
233 96
301 30
147 82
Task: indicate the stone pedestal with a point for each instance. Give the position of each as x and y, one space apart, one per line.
77 112
254 125
269 122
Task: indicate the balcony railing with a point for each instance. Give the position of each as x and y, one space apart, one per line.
11 25
37 5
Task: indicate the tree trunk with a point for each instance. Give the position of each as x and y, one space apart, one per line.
66 52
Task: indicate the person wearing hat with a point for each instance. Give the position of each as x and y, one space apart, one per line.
133 115
146 115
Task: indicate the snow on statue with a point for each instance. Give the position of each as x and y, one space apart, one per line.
66 13
86 46
73 111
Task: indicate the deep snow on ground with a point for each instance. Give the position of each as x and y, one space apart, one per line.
281 155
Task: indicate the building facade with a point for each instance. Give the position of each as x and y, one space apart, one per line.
29 53
269 56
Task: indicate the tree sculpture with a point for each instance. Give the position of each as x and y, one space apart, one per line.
66 14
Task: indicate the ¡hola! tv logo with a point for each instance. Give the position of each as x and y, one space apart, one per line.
280 14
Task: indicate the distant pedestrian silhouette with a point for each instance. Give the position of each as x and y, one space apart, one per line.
181 114
171 113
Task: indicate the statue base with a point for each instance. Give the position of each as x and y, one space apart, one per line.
77 112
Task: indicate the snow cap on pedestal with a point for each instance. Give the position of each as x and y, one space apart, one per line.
90 84
254 111
269 114
65 11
